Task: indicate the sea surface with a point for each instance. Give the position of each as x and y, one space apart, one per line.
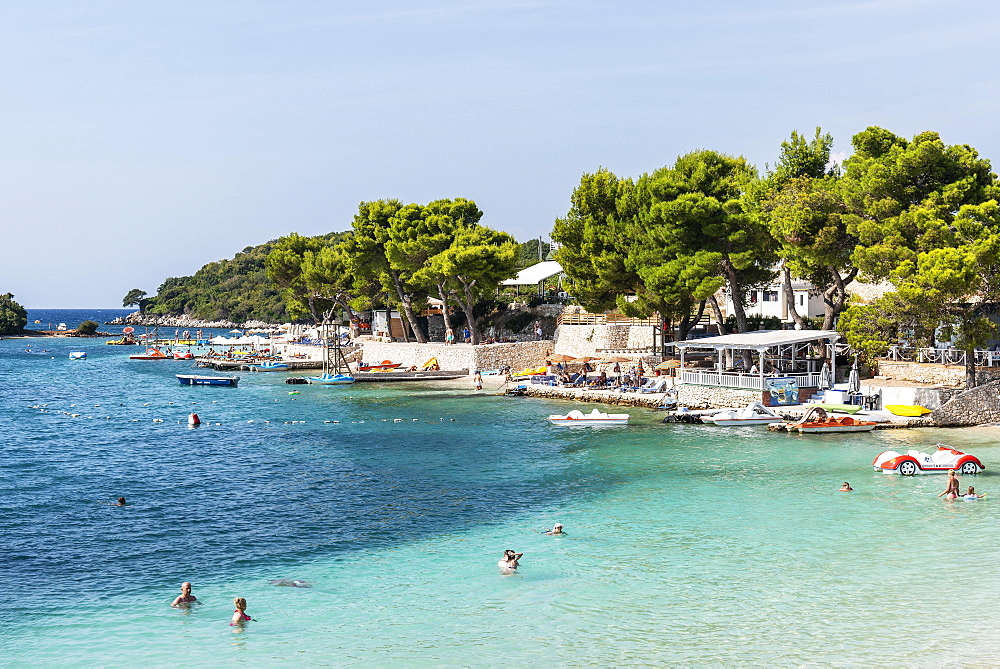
687 545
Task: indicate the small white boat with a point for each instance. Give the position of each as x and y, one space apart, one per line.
754 413
77 355
595 417
331 379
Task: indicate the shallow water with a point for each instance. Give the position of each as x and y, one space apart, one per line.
685 544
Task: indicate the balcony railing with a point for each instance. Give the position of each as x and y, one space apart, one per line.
941 356
742 381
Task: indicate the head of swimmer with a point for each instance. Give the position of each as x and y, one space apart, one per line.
186 588
121 501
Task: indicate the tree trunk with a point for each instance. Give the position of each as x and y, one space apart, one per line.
407 304
443 294
790 298
717 312
835 297
736 291
684 327
467 305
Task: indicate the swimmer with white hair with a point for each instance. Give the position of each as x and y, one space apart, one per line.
556 529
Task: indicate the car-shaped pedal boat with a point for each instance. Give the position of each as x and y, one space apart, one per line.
917 462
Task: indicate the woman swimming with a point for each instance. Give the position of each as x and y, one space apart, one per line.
240 614
509 562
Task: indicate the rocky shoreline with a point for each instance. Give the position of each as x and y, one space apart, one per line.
136 318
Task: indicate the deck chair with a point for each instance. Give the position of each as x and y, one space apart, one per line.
658 386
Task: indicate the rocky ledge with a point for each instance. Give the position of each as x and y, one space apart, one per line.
135 318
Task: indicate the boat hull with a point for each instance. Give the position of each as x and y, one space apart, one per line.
330 380
588 421
269 368
817 429
195 380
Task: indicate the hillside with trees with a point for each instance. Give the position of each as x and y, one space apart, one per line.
13 317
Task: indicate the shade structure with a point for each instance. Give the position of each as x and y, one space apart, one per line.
668 364
825 380
854 379
580 361
560 357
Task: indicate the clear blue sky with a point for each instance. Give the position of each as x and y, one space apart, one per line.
140 140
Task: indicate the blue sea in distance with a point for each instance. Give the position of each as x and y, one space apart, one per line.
685 544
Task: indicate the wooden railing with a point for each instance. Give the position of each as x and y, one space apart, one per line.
603 319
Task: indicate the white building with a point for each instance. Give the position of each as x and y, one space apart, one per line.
770 301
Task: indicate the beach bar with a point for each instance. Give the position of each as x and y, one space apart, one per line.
785 353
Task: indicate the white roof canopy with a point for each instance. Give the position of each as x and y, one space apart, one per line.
760 340
532 275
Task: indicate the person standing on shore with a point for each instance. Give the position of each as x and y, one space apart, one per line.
466 334
449 336
477 379
185 599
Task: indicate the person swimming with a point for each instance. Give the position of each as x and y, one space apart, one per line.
121 502
556 529
185 599
971 493
240 614
509 563
845 488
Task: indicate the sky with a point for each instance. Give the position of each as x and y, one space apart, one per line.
141 140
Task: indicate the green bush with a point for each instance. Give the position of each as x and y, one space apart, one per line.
87 328
13 317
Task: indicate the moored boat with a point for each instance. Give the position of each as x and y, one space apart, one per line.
595 417
183 355
817 420
330 379
911 410
754 413
152 353
270 367
842 408
385 365
202 380
77 355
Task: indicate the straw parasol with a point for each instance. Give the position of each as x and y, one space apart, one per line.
580 361
615 358
668 364
560 357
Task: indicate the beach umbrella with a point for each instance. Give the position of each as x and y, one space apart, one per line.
824 377
668 364
560 357
580 361
853 379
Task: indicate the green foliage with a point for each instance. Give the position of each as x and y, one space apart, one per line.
236 290
13 317
755 322
527 253
87 328
136 298
869 330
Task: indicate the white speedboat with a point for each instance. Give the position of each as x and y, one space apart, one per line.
595 417
754 413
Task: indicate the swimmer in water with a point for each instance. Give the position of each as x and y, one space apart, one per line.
556 529
951 491
185 599
240 614
509 563
290 583
971 493
845 488
121 502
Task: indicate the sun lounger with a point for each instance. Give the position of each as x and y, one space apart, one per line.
659 386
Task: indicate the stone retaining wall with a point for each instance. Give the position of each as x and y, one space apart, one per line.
973 407
580 340
651 401
516 355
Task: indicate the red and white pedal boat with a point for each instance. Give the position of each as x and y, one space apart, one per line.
595 417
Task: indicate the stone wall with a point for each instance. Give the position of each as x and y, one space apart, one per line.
933 374
580 340
516 355
711 397
973 407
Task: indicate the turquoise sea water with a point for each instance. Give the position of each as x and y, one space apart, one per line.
685 544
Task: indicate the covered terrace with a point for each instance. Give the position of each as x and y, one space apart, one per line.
785 353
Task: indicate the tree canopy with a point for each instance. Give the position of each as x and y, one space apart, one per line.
13 317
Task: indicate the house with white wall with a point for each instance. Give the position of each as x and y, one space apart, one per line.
770 301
